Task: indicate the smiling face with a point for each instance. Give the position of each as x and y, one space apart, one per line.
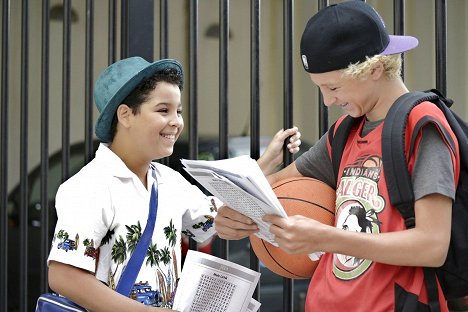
148 130
354 96
157 126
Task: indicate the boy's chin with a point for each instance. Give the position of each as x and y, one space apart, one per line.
169 152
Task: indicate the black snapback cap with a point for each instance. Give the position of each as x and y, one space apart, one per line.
346 33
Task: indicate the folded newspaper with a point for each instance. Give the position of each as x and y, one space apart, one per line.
240 184
208 283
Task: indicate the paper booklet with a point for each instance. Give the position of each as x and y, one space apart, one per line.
240 184
211 284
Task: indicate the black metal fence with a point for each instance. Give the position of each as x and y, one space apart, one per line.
132 29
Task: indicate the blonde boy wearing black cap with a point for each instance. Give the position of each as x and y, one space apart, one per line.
103 209
371 261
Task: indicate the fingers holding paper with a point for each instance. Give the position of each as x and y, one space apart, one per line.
233 225
289 233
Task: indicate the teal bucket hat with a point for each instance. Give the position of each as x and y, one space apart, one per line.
117 81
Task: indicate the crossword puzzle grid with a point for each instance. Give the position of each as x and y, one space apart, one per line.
211 289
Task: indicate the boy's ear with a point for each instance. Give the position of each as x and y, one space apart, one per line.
377 70
123 115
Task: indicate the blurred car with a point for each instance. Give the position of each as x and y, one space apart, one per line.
76 162
271 289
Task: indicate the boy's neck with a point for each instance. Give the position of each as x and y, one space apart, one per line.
391 90
138 166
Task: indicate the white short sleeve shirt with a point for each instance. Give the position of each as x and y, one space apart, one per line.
102 212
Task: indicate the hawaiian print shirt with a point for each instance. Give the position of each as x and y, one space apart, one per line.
102 212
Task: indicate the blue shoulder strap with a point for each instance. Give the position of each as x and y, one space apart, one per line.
130 273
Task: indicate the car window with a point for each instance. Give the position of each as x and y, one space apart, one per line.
77 161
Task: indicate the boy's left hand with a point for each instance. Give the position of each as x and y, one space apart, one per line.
233 225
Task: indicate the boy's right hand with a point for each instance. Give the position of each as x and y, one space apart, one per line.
272 157
233 225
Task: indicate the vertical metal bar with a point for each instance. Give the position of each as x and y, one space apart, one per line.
193 89
4 155
139 29
399 24
288 34
24 217
441 45
89 47
288 69
163 48
255 78
223 77
163 32
66 67
112 32
123 29
323 110
45 143
223 94
255 104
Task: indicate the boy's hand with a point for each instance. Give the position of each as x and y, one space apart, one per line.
233 225
297 234
273 155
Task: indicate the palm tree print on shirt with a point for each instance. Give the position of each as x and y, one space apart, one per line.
155 257
119 255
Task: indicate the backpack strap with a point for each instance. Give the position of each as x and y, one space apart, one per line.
337 138
395 164
432 289
457 124
397 176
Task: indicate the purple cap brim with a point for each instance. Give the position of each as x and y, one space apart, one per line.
399 44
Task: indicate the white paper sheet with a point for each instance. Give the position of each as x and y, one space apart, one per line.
211 284
240 184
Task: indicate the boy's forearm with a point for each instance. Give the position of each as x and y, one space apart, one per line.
288 172
84 289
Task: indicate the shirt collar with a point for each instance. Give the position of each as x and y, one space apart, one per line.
113 162
118 167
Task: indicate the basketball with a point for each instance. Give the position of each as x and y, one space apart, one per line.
298 196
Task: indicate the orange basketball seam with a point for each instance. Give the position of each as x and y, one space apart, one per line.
309 202
273 258
300 179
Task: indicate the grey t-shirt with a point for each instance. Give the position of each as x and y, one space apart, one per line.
432 172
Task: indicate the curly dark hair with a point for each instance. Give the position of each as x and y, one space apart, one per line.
141 92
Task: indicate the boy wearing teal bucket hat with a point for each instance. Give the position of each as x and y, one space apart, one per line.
103 209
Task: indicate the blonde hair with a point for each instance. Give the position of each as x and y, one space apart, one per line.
360 70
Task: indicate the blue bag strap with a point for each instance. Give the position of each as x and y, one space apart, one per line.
130 273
